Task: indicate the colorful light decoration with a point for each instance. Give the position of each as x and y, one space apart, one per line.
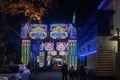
58 33
52 26
40 59
49 46
25 59
62 53
41 47
87 44
61 46
89 48
72 51
73 33
48 60
67 49
38 33
53 53
24 31
88 53
38 25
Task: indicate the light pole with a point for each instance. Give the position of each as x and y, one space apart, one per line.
118 54
118 40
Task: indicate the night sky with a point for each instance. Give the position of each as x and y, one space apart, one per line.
63 11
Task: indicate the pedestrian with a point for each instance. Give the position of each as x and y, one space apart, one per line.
72 73
64 71
77 73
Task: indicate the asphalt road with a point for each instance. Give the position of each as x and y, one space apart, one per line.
54 74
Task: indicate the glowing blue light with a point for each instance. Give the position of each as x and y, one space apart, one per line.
87 43
89 53
102 4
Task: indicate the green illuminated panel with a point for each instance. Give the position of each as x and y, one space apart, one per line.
25 55
41 59
72 51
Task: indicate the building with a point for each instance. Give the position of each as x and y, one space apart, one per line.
104 59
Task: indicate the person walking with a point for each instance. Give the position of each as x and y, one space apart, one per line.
72 73
77 73
64 71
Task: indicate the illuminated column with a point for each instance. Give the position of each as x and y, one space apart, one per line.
72 50
48 58
75 52
72 53
68 55
23 52
40 59
25 55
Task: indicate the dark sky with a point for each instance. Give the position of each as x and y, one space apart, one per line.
63 12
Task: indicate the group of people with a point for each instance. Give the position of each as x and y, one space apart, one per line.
78 74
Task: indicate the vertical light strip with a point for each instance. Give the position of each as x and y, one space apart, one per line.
26 53
74 52
68 55
71 52
22 54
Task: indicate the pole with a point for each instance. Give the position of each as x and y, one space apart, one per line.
118 40
118 55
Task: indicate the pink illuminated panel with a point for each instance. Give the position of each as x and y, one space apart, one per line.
49 46
61 46
62 53
53 53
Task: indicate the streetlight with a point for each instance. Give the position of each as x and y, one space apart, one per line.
118 39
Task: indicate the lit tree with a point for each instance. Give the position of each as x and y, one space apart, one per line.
34 9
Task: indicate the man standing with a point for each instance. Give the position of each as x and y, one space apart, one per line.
72 73
64 71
